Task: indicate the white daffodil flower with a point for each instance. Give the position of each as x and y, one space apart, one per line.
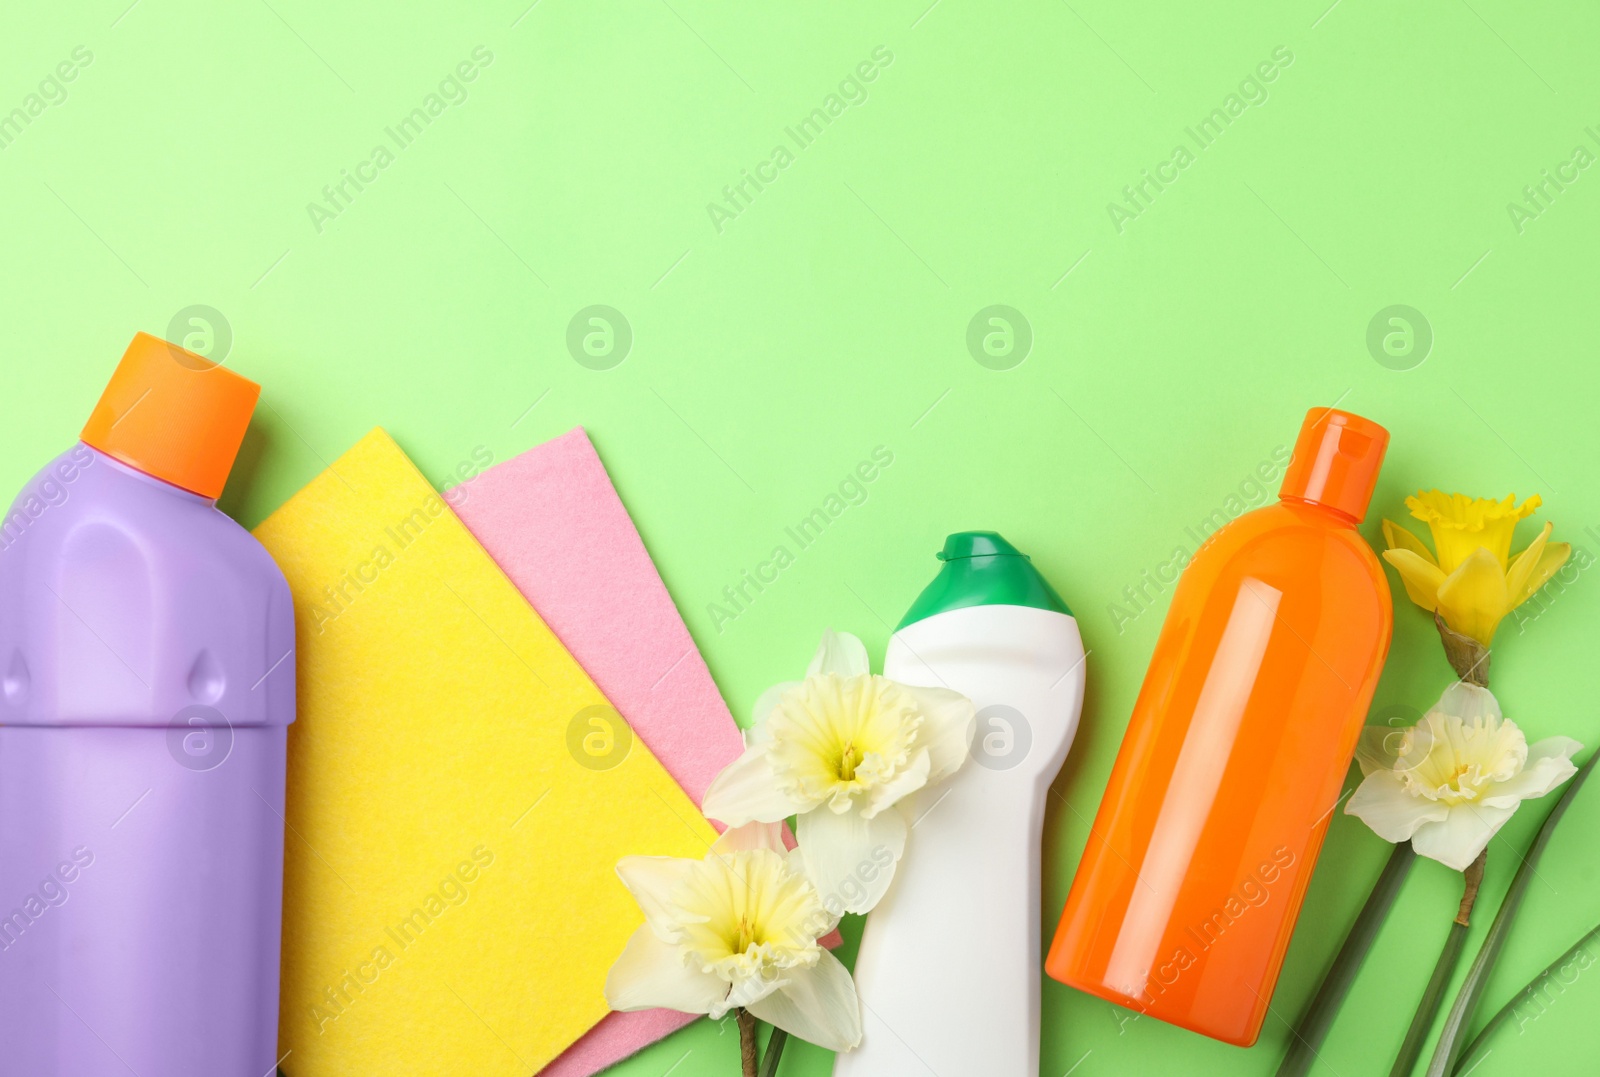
1451 781
737 929
840 750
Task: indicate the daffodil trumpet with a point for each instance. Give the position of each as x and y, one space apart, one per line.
1470 580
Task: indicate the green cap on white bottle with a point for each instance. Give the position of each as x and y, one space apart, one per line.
982 569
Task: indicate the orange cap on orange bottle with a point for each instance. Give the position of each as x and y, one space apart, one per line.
173 414
1336 461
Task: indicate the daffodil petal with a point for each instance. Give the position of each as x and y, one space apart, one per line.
1382 802
1521 566
948 723
766 703
651 880
1473 598
1549 764
1469 702
1378 748
841 654
1534 566
1401 538
751 836
652 974
1421 577
817 1004
748 790
1457 840
849 858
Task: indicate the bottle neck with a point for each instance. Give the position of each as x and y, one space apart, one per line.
122 467
1338 516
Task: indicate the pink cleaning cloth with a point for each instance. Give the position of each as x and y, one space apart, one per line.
553 522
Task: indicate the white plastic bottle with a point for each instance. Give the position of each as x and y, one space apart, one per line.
950 962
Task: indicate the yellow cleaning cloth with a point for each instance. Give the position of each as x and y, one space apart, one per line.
450 904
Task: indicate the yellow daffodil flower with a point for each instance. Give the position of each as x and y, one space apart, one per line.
1471 580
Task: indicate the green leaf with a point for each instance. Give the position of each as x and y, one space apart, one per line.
1432 998
1318 1018
1475 1049
1453 1037
775 1045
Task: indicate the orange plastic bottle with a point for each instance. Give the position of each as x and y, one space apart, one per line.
1239 743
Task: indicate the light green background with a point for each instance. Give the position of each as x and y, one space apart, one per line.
830 317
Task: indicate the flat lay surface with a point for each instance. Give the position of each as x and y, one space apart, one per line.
1071 271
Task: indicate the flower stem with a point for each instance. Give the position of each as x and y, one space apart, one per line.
1468 657
1318 1018
1443 971
749 1052
775 1045
1471 880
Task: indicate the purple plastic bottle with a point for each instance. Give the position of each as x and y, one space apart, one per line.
146 687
